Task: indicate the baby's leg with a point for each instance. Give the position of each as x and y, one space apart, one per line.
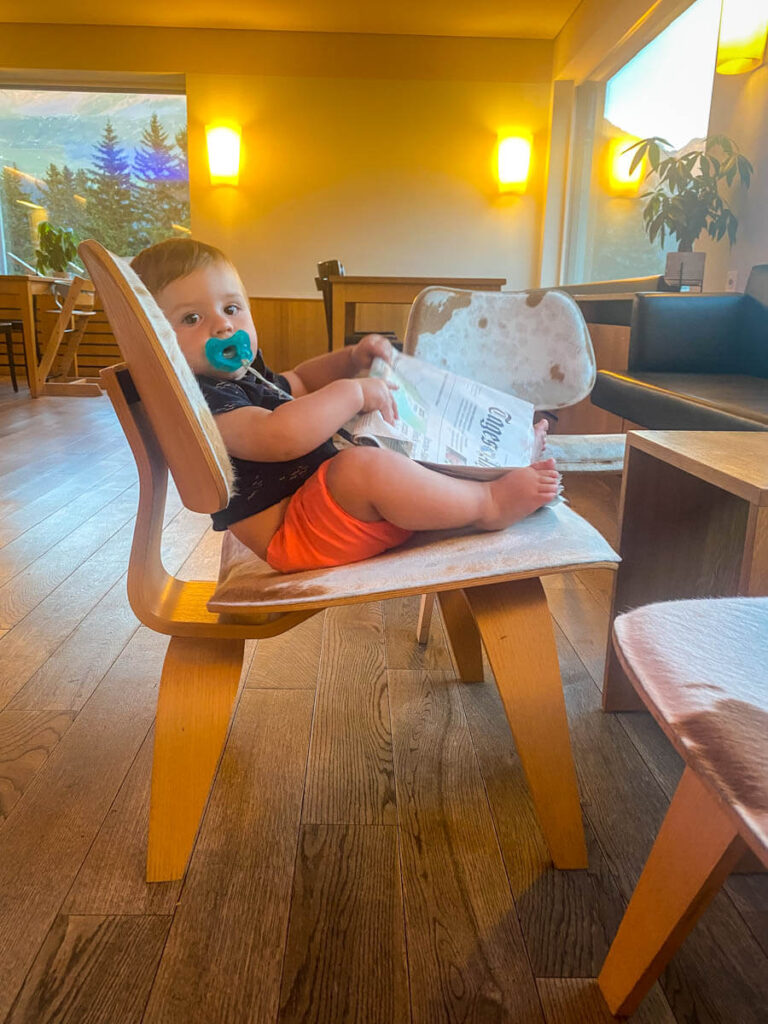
374 483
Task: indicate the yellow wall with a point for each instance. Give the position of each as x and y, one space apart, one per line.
740 110
391 177
374 150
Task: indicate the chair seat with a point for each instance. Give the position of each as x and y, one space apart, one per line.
701 667
684 401
553 539
585 453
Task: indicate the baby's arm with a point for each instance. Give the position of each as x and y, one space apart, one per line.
295 428
313 374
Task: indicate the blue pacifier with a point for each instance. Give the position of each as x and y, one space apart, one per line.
229 354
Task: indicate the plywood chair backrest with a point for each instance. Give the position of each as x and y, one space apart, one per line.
188 437
71 299
533 344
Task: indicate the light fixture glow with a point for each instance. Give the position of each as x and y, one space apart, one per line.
743 32
620 180
514 163
223 153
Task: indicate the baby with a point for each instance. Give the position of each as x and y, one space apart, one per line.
301 503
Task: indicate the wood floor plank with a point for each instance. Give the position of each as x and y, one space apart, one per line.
26 740
345 955
350 775
720 973
223 958
112 878
467 959
27 589
403 652
34 542
49 500
596 497
291 660
68 677
203 562
582 618
579 1001
49 831
26 647
30 643
568 918
91 970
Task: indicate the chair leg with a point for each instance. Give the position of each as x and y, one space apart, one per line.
426 605
463 635
197 690
695 850
9 350
516 628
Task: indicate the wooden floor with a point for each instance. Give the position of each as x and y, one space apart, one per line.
368 853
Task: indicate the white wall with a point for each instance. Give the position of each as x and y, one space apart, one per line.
740 110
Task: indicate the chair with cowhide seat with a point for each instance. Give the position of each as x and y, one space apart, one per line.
700 668
493 594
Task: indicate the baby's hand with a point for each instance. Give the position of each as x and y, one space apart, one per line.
368 348
377 394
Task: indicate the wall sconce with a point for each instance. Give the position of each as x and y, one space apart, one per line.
223 153
514 163
743 31
620 181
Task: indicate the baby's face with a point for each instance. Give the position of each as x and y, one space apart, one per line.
208 303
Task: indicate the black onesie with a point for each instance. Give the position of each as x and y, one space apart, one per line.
258 484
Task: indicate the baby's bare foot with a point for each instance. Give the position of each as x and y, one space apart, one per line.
540 438
520 492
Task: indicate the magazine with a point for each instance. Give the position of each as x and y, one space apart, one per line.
447 422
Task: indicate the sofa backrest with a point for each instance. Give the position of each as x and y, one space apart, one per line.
754 323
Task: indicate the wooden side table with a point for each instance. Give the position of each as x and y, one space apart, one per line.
17 291
346 292
694 523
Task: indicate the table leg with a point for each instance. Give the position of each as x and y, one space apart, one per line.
28 330
754 572
338 316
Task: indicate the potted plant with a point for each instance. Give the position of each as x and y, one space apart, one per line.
686 199
57 247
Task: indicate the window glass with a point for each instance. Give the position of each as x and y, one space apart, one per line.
666 91
110 166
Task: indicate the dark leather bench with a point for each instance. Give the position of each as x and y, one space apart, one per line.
696 362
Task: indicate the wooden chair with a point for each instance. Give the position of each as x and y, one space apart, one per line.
489 583
73 308
701 669
323 285
7 328
532 344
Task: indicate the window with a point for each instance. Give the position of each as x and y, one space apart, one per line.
665 90
111 166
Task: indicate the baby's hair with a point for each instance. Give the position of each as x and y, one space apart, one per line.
160 264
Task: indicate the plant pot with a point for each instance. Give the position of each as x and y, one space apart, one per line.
685 270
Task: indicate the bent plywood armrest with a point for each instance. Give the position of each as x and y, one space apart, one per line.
488 586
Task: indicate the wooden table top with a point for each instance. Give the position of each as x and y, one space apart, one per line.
449 282
734 460
32 277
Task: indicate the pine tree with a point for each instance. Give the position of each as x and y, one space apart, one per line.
19 238
110 212
158 191
64 210
183 184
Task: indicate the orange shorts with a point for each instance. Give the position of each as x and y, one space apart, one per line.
317 532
